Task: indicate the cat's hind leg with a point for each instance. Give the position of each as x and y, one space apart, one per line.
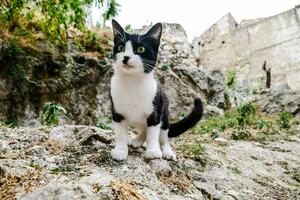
139 140
167 151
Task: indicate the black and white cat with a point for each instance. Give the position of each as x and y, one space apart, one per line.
137 97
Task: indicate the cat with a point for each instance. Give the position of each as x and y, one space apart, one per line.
137 97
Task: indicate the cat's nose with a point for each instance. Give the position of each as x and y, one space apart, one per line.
125 59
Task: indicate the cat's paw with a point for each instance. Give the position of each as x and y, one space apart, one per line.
119 154
168 153
136 143
153 154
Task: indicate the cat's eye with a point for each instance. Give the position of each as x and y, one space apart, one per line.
120 48
140 49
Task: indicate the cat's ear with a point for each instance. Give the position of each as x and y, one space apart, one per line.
117 29
155 31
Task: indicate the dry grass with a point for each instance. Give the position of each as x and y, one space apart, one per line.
10 185
52 146
126 191
176 181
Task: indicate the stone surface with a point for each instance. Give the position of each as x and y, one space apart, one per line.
244 47
58 166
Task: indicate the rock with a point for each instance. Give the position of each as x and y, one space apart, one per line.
53 163
244 47
210 111
83 135
61 192
274 101
208 190
100 177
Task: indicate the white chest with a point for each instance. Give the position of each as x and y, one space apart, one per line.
133 98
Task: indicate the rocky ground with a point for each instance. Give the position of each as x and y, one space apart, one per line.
74 162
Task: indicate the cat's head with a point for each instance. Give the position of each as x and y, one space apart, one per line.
135 54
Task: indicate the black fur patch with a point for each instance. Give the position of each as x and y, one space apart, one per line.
115 116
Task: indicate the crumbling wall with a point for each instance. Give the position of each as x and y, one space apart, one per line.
244 47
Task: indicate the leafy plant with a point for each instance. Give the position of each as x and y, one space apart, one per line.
54 19
245 113
51 112
10 123
261 123
128 29
194 149
284 119
104 124
166 66
241 135
231 79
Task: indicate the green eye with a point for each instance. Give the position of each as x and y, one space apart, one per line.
120 48
140 49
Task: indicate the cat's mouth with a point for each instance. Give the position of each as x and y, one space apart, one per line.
127 66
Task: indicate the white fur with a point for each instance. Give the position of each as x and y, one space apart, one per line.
133 92
167 151
120 151
139 140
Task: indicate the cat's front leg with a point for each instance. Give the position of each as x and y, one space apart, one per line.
167 150
120 152
153 147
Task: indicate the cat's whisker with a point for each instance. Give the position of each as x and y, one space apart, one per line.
149 61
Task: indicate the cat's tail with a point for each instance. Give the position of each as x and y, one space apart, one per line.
189 121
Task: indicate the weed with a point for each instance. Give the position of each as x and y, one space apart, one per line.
231 79
105 124
63 168
296 174
192 149
241 135
234 169
50 113
165 66
128 29
284 120
245 114
10 123
261 123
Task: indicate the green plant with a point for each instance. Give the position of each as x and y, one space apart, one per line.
63 168
296 174
261 123
111 11
166 66
193 149
53 18
231 79
241 135
128 29
284 120
245 114
104 124
10 123
51 112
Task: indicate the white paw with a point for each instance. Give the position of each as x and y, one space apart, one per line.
153 153
168 153
119 154
136 143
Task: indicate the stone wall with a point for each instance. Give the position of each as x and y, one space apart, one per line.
244 47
